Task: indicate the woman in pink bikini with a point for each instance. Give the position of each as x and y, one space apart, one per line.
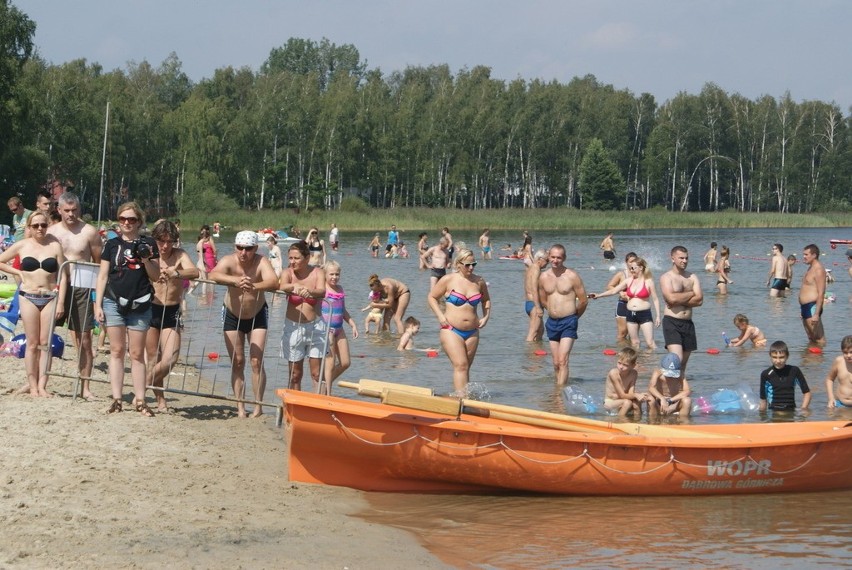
641 296
305 288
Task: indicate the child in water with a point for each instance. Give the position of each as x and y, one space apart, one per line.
778 382
406 341
841 371
669 390
376 314
747 332
621 384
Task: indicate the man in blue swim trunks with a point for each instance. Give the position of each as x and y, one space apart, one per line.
812 295
562 292
533 303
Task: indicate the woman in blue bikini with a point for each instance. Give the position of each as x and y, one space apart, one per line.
41 258
463 291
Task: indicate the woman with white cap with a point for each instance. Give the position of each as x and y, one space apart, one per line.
246 314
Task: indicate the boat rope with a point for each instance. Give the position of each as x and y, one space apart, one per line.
585 454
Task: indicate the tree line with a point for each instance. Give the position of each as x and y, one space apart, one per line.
315 127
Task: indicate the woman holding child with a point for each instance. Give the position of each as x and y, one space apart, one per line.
392 296
463 291
305 286
40 259
641 297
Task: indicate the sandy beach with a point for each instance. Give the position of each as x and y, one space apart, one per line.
195 488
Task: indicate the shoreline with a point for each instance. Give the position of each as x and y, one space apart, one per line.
196 487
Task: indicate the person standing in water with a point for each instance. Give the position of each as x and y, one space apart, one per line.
682 293
608 247
812 295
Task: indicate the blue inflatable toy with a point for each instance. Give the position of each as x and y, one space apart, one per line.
57 345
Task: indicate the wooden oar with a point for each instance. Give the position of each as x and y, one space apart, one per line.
377 387
453 407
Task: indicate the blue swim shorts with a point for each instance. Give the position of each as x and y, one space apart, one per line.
559 328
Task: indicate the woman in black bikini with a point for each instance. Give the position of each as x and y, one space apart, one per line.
316 247
41 258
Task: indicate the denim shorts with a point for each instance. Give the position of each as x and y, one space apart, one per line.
138 320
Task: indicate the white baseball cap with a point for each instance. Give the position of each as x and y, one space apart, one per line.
246 239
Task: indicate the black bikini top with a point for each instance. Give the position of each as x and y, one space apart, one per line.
48 264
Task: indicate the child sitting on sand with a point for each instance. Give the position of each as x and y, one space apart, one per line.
747 332
406 341
669 390
620 388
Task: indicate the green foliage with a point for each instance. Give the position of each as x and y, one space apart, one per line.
354 205
601 186
315 127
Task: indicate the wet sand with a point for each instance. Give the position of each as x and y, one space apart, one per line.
195 488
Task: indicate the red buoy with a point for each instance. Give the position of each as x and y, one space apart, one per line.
609 352
540 352
712 351
432 354
213 355
815 350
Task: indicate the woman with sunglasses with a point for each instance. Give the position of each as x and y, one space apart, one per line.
305 288
641 297
392 296
41 257
123 297
316 247
463 291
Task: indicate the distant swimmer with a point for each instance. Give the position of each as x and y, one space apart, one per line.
608 247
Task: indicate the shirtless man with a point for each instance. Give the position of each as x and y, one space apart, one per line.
445 232
608 247
562 291
682 292
812 295
777 278
80 242
533 304
437 259
162 341
245 313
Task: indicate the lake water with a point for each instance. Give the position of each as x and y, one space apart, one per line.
514 532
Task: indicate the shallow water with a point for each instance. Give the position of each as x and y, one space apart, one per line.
553 532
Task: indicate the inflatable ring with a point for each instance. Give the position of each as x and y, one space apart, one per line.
712 351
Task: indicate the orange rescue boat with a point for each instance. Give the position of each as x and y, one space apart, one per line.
485 449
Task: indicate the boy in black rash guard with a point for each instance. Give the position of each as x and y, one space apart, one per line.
778 382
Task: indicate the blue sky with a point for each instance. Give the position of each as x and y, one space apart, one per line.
751 47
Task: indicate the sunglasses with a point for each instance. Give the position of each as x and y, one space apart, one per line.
469 264
244 247
39 226
128 219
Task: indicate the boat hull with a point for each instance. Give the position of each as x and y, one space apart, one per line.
376 447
